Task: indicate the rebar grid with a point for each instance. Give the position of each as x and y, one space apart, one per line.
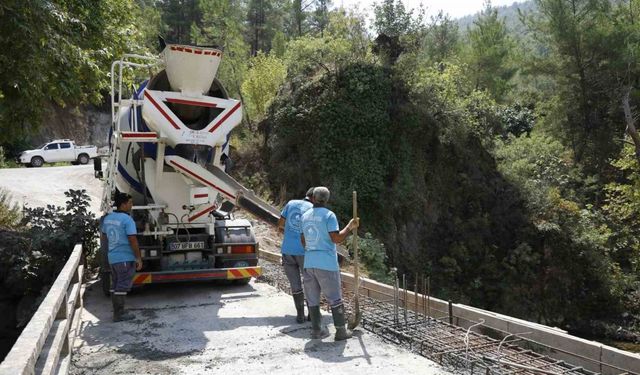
456 348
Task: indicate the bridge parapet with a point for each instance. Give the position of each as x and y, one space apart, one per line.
44 347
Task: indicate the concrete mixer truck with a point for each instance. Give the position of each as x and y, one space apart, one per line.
169 149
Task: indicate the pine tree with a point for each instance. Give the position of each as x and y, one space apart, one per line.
490 51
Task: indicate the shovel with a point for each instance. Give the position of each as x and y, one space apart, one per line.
354 320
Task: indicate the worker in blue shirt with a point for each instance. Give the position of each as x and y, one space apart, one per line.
292 250
119 231
320 234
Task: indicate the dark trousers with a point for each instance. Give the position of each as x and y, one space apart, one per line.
122 276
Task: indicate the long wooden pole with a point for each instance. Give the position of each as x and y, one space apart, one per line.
356 272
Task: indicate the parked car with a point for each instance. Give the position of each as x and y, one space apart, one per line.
60 150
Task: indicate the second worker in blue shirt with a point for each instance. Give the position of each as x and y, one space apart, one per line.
292 251
321 233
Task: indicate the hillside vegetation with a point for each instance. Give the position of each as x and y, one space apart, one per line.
499 158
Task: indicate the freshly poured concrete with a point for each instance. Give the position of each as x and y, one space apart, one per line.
206 328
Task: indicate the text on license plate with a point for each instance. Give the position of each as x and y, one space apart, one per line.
186 245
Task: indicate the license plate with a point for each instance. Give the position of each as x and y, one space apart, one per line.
186 245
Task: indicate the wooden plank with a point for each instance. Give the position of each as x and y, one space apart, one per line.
24 354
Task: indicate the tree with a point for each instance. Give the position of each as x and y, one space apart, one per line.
179 16
321 15
398 30
586 42
261 83
256 24
65 52
442 38
279 44
490 50
393 20
223 25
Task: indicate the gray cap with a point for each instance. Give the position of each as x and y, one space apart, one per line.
309 192
321 194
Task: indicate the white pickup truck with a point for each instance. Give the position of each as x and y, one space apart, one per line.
60 150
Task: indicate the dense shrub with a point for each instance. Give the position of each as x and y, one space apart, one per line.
32 253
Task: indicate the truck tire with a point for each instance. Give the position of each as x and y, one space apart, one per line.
83 159
37 161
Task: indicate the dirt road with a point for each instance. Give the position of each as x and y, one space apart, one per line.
38 187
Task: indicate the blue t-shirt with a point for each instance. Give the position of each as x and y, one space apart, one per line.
118 226
320 252
292 212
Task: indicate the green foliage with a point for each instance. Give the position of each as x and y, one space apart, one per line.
394 20
372 254
278 45
517 119
307 55
33 252
60 52
573 238
261 83
57 230
222 24
4 162
179 17
9 212
490 52
589 57
622 208
343 121
442 41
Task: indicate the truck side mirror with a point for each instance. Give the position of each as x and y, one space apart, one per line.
97 167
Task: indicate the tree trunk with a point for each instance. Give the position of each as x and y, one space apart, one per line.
631 126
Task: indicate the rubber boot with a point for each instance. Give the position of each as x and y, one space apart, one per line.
342 333
119 313
298 300
316 323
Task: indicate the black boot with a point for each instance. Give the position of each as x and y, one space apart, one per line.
119 313
298 300
342 333
316 323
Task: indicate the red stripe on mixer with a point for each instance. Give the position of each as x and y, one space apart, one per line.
192 218
146 94
202 179
235 108
192 102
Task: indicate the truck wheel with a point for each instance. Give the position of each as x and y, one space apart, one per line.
83 159
37 161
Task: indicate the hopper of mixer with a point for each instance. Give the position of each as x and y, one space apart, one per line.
191 69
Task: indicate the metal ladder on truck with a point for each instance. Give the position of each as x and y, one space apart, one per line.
116 134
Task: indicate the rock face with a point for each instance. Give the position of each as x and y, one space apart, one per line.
85 125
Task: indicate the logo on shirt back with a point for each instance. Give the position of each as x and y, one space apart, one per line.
311 234
113 236
295 220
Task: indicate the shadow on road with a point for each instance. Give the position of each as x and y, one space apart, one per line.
188 319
